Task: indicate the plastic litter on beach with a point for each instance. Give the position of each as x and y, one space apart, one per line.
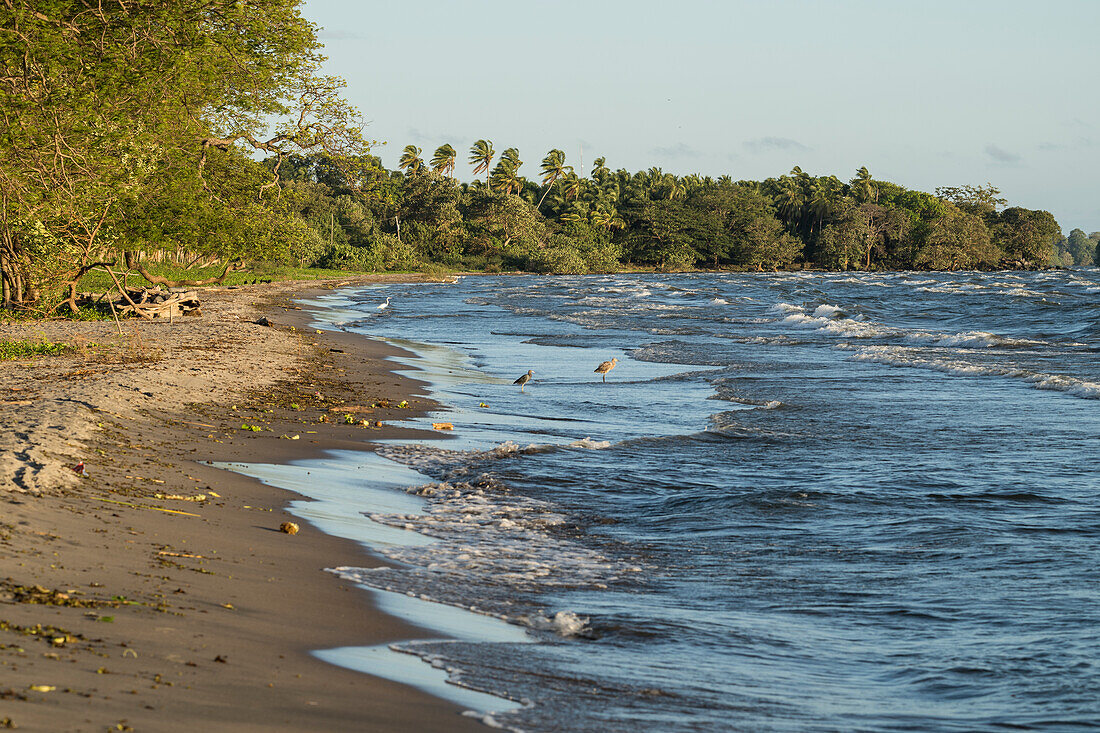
79 469
443 426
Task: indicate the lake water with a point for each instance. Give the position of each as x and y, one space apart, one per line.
800 502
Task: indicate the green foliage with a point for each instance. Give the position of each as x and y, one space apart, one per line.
559 258
23 349
1026 236
956 240
153 104
1076 249
350 257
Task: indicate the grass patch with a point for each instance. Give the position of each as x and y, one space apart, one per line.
24 349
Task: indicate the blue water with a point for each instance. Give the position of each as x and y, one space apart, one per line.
800 502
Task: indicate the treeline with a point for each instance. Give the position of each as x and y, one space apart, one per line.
203 131
563 221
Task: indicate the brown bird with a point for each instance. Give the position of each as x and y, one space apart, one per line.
524 379
606 367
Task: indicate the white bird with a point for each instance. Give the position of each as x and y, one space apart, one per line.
606 367
385 305
524 379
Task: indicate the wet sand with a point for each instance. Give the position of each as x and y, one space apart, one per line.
125 609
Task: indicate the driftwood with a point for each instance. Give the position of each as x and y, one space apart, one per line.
148 302
133 264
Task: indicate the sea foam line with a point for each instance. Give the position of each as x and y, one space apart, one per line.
906 357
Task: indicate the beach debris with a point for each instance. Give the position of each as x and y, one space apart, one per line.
43 688
483 404
147 302
253 428
181 497
79 469
403 404
263 321
442 426
140 506
349 419
288 528
352 408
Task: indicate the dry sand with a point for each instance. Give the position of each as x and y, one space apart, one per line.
124 611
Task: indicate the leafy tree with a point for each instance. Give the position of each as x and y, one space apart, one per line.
661 234
984 201
104 100
1080 248
1027 236
957 240
502 224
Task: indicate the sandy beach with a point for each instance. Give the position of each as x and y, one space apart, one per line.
157 593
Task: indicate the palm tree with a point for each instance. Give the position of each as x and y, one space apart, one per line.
511 156
599 169
481 156
553 168
505 176
824 193
443 162
863 189
790 199
410 160
573 185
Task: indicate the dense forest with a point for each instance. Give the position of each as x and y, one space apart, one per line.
203 131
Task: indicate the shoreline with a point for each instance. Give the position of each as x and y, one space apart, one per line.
124 609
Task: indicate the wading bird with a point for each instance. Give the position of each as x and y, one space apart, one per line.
604 368
524 379
385 305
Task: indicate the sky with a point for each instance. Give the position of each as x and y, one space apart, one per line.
925 94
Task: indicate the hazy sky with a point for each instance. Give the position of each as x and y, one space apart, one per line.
925 93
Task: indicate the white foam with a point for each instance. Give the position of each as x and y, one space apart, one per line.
562 623
909 357
829 311
970 339
590 444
